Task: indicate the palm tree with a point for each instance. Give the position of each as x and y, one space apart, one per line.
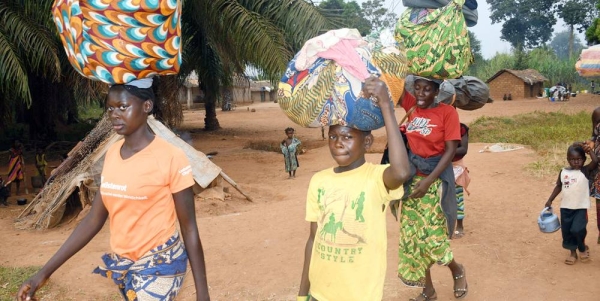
37 85
222 37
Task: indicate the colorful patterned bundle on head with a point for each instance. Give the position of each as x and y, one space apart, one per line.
588 64
436 41
120 41
322 85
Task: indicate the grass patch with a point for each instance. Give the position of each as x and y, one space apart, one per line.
12 278
548 133
90 112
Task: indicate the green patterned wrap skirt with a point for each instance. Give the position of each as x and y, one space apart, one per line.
423 235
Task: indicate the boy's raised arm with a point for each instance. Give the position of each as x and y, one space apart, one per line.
398 171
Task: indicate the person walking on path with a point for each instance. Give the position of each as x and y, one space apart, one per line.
345 253
428 213
146 187
573 182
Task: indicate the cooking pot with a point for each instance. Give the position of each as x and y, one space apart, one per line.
548 221
21 202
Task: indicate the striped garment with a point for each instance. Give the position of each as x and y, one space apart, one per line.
158 275
15 166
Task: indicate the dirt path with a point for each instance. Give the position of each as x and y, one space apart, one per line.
254 251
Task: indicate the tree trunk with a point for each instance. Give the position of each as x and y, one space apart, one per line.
211 123
571 40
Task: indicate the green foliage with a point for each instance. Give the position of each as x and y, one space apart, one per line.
478 60
592 34
350 14
577 13
549 134
222 37
25 47
488 68
542 59
377 15
526 22
560 45
74 132
14 277
540 130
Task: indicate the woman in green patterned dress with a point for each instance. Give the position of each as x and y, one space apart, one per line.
429 205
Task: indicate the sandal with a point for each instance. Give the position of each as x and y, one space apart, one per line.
458 234
424 297
585 255
571 260
460 293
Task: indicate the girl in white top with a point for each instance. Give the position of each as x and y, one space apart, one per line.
573 181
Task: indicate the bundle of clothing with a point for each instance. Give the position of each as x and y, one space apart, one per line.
120 41
436 40
469 9
588 64
322 84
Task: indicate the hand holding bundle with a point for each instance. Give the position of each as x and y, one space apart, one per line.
322 85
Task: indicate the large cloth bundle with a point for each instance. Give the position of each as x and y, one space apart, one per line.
436 41
120 41
471 92
322 84
469 9
466 92
588 64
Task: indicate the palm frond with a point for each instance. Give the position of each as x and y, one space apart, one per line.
36 43
13 78
257 39
299 20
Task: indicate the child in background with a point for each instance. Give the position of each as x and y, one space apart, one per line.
40 163
289 148
574 184
595 187
345 254
461 176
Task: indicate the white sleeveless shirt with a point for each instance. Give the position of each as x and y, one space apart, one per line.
575 189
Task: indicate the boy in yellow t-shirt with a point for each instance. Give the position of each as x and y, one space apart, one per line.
345 255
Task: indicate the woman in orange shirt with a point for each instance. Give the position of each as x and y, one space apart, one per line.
145 188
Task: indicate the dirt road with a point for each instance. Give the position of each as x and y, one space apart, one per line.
254 251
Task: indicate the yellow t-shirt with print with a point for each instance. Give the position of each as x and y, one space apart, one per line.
349 252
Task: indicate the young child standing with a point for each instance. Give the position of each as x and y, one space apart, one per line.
345 254
289 148
574 184
40 163
462 179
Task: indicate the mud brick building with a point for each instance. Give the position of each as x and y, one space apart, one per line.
527 83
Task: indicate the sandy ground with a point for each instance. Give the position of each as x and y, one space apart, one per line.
254 251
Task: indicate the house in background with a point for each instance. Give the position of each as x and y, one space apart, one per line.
193 96
528 83
262 91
